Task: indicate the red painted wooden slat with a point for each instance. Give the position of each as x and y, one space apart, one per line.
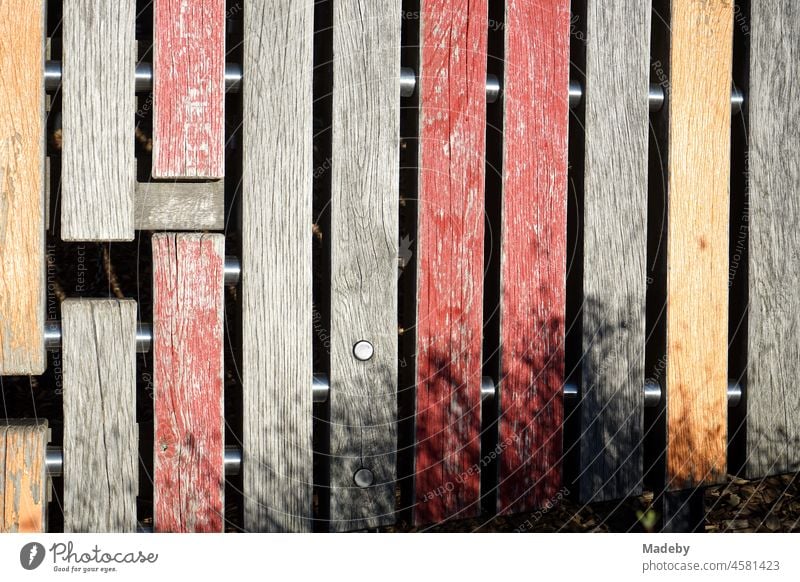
189 89
450 242
188 482
533 263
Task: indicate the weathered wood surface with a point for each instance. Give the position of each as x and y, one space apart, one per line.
21 187
99 106
189 448
101 450
452 147
533 261
697 240
614 248
24 484
180 205
189 89
277 364
773 427
364 255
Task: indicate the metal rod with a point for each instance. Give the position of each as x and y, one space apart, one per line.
408 85
652 394
52 336
54 461
233 270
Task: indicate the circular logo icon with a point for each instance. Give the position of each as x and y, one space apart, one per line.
31 555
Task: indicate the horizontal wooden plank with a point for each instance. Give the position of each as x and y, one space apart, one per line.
773 426
697 241
101 450
450 229
22 188
24 485
614 248
533 258
180 205
189 89
189 448
99 108
364 253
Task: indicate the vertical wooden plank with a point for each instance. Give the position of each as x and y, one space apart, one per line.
277 365
189 448
533 260
189 89
697 246
614 248
364 222
452 159
773 428
99 105
100 433
21 187
23 476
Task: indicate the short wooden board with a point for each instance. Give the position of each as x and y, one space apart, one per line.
101 450
99 108
697 241
452 148
22 188
24 485
533 261
180 205
188 354
364 255
189 89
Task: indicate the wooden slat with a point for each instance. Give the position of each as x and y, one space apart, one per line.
189 89
24 485
533 263
21 187
100 432
697 245
364 254
180 205
773 427
189 448
450 263
276 195
99 106
614 248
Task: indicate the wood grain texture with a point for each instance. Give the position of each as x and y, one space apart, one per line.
24 484
614 248
773 426
364 255
533 259
180 205
450 230
22 187
277 363
697 245
99 107
188 354
100 433
189 89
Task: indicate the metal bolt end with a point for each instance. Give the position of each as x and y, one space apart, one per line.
363 478
363 350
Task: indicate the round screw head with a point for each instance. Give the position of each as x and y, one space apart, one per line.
363 350
363 477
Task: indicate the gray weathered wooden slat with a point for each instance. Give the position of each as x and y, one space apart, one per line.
100 432
773 398
180 205
276 259
98 172
615 248
364 223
